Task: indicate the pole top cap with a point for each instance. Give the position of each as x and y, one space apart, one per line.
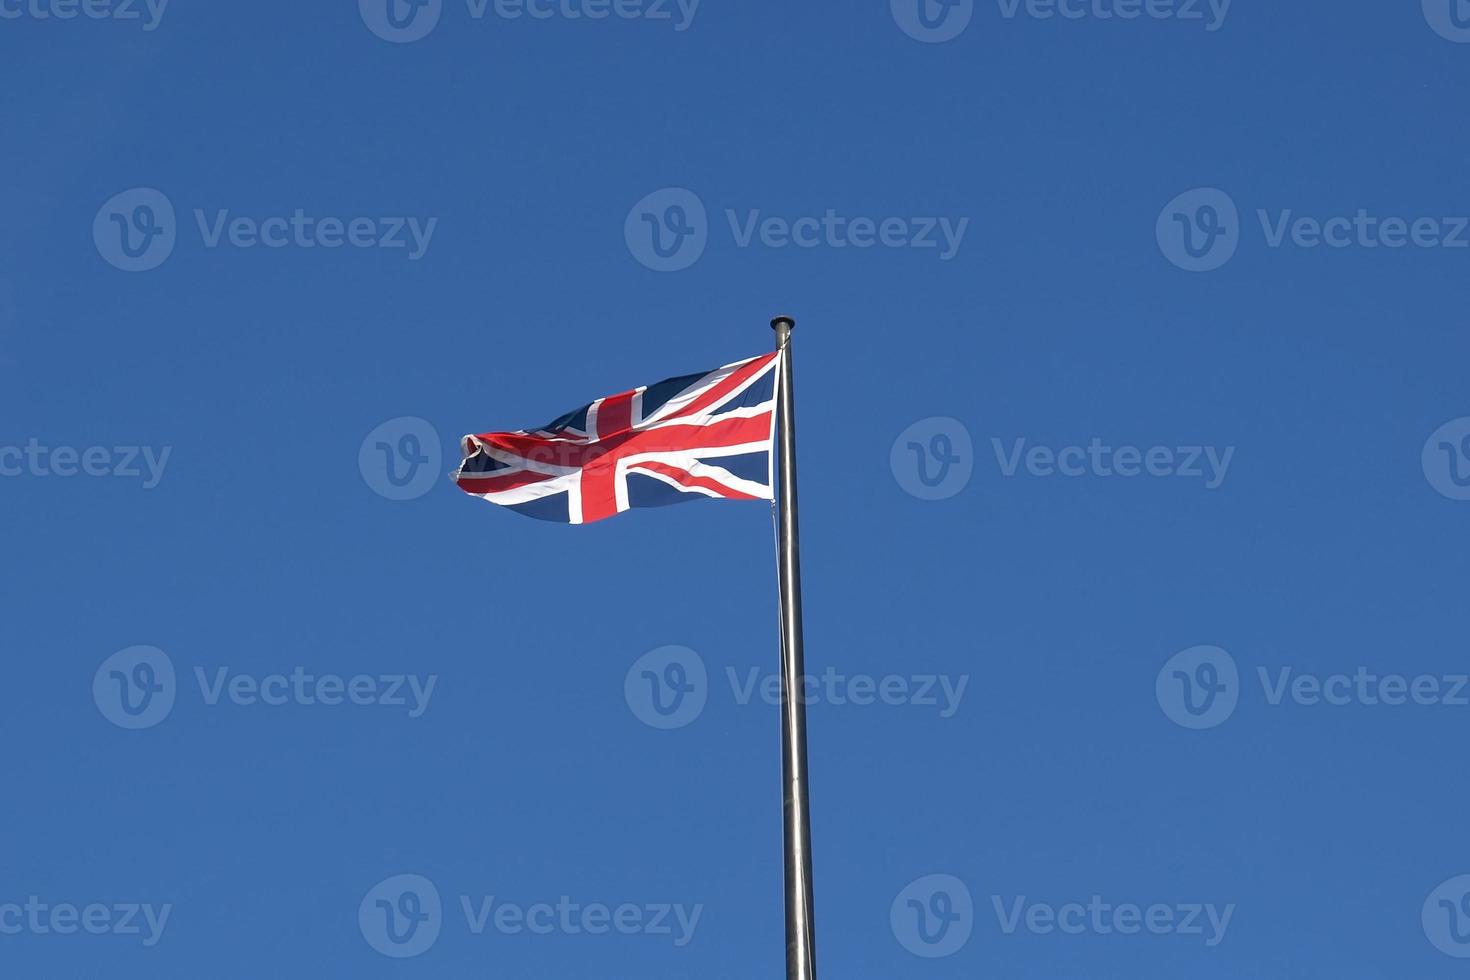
783 321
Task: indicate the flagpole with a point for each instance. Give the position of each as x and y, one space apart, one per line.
800 939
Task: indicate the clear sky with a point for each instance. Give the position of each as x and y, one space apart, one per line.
1063 244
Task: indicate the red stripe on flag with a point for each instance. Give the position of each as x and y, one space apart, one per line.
735 380
661 438
478 483
615 415
687 479
737 430
599 490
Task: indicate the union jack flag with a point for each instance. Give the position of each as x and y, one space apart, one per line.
701 435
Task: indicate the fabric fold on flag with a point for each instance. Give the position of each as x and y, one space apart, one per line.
694 437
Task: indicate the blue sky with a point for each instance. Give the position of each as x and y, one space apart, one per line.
1135 449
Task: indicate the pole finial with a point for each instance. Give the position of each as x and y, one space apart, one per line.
785 322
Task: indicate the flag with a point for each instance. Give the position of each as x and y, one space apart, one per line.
687 438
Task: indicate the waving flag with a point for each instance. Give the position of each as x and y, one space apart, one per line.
716 434
701 435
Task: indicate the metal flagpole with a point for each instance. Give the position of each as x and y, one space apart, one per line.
800 940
